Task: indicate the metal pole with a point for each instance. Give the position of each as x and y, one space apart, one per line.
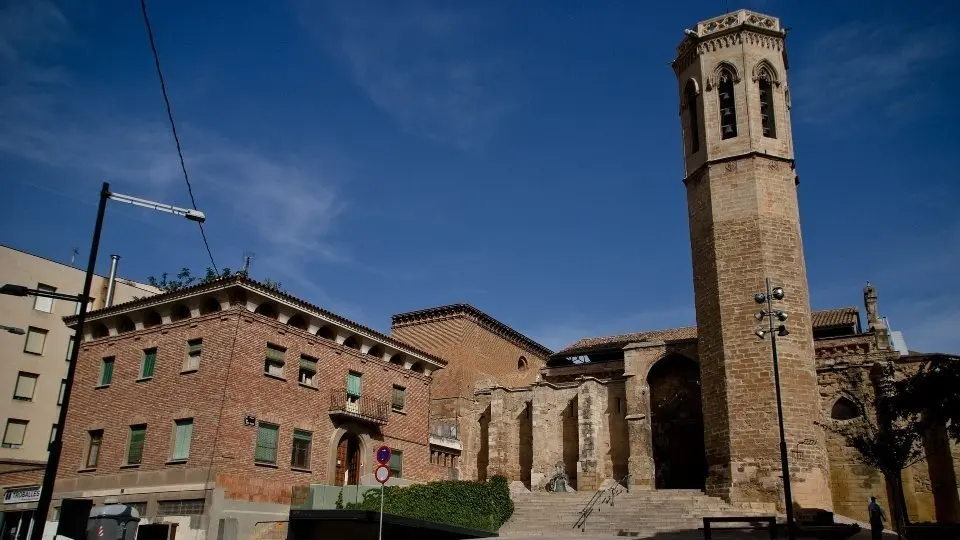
50 473
784 466
381 513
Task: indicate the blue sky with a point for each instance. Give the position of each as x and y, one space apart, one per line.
520 156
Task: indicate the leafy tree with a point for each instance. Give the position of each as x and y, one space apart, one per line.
931 394
185 278
885 436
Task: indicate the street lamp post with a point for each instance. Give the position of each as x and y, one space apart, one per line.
775 327
53 462
12 329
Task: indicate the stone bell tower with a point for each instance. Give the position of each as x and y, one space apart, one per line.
744 227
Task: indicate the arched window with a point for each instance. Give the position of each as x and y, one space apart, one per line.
767 116
522 363
327 332
152 319
376 351
844 409
693 116
100 331
180 312
397 359
352 342
267 309
727 102
418 368
297 321
209 305
125 324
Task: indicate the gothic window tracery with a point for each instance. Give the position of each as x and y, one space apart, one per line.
728 106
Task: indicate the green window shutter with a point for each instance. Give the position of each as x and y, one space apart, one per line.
182 437
106 377
275 354
308 363
194 346
353 384
138 435
266 450
149 361
396 464
399 397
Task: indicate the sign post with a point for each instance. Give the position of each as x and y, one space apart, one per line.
382 474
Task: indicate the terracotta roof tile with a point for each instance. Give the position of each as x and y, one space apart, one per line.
821 319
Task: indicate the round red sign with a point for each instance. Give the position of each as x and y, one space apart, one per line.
382 474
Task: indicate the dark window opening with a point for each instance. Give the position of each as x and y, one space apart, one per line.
210 305
180 312
693 116
767 117
327 332
844 409
267 309
728 105
152 319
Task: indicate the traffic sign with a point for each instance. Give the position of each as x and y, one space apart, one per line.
382 474
384 454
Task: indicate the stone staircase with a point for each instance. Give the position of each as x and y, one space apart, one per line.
638 513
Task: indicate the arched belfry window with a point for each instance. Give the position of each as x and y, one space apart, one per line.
844 409
728 104
767 115
693 116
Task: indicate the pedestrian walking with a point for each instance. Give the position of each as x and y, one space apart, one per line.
877 517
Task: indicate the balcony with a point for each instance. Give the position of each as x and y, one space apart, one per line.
445 434
362 408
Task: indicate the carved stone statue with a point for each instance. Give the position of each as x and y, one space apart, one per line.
559 481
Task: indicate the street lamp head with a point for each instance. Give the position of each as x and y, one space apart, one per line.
14 330
781 316
195 215
782 331
778 293
760 315
14 290
760 333
760 298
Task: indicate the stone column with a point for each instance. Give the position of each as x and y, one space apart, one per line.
498 425
591 404
637 359
547 434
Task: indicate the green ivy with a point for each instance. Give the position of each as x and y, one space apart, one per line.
474 505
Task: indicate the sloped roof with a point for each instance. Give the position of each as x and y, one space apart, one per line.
495 326
821 319
240 279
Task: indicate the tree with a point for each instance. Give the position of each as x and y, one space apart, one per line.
931 394
185 278
886 436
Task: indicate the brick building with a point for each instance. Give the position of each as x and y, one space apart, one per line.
202 407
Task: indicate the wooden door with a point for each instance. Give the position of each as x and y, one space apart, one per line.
353 459
341 469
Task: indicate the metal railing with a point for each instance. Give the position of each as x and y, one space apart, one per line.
359 407
602 496
445 430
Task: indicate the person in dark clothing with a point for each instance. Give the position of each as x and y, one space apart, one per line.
877 517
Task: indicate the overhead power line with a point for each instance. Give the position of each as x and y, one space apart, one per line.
173 126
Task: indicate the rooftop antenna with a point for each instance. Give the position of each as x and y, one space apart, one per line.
73 255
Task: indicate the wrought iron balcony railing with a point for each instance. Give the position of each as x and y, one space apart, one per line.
358 407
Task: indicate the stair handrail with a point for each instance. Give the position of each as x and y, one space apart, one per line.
610 492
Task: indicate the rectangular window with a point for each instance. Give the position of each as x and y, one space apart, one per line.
26 385
182 435
308 370
93 448
53 434
138 434
148 363
63 390
266 451
36 338
42 303
399 398
69 349
273 365
396 464
354 384
106 371
182 507
140 507
194 351
14 433
302 443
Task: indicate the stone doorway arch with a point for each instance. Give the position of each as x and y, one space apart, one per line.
348 457
676 424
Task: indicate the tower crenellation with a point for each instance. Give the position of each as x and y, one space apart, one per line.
744 227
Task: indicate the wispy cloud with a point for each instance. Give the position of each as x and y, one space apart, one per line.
290 205
426 66
865 66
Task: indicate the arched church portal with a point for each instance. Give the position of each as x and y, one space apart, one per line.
347 472
676 421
